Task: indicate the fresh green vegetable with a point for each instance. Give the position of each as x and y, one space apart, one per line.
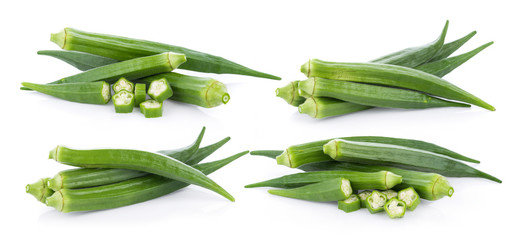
136 160
39 189
88 92
90 177
123 84
415 56
185 153
140 93
121 48
448 48
390 75
410 197
390 193
430 186
267 153
124 102
363 198
151 109
80 60
395 208
204 92
400 156
204 152
160 90
371 95
350 204
322 107
375 202
290 94
127 192
329 190
358 180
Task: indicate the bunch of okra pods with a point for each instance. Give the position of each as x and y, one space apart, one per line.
133 65
410 79
111 178
393 173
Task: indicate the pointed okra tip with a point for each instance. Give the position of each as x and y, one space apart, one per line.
309 107
53 154
175 59
59 38
331 148
56 201
285 159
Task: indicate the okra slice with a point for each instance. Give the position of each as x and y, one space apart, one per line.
363 198
376 202
140 93
151 109
390 194
124 102
123 84
410 197
331 190
160 90
395 208
350 204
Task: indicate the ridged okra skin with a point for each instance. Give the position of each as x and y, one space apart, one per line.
87 92
125 193
351 204
329 190
79 60
183 154
155 163
400 156
358 180
322 107
151 108
429 186
290 94
91 177
200 91
122 48
140 93
448 48
371 95
390 75
39 189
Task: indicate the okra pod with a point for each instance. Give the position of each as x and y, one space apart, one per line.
350 204
127 192
371 95
136 160
123 84
375 202
448 48
160 90
267 153
87 92
400 156
390 75
290 94
121 48
363 198
185 153
410 197
80 60
322 107
140 93
151 109
204 152
358 180
91 177
123 101
395 208
329 190
39 189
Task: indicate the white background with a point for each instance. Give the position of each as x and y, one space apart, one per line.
275 37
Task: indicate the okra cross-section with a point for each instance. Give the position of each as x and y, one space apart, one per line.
123 84
395 208
124 102
350 204
160 90
376 202
330 190
410 197
151 109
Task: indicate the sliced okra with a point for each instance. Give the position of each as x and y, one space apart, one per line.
376 202
151 109
410 197
123 84
124 101
390 194
160 90
350 204
140 93
395 208
363 198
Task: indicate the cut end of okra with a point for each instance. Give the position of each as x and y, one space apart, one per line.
124 102
363 198
395 208
350 204
290 94
410 197
123 84
56 201
38 189
309 107
55 183
106 93
160 90
441 188
331 148
392 180
306 68
176 59
59 38
151 109
216 94
284 159
376 202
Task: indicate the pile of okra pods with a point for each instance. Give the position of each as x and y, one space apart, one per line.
410 78
393 174
111 178
133 65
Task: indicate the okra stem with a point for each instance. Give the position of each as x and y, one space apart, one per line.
290 94
39 189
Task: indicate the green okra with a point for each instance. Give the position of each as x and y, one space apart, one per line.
200 91
375 202
122 48
39 189
322 107
267 153
400 156
140 93
415 56
290 94
123 101
88 92
335 189
430 186
151 109
204 152
444 66
395 208
448 48
160 90
390 193
410 197
358 180
80 60
136 160
363 198
123 84
185 153
128 192
371 95
91 177
390 75
351 204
